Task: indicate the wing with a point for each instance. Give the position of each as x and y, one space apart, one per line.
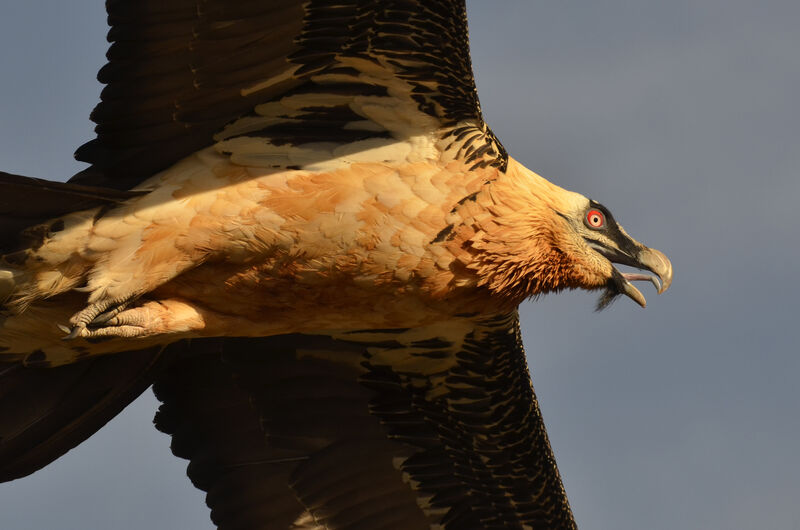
388 430
45 412
43 200
186 74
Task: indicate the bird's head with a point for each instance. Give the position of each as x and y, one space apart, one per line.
541 238
597 243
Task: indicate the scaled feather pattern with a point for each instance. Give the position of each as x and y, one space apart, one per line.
298 228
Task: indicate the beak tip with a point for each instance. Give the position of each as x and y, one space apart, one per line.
658 263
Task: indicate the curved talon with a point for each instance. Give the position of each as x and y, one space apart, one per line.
74 333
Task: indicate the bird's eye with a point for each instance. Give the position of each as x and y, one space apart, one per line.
595 219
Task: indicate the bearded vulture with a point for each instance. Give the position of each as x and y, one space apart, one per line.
297 227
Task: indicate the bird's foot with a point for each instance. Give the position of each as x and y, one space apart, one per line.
145 320
96 316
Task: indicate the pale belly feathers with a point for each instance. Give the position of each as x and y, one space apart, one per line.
217 248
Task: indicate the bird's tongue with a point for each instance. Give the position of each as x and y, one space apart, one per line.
639 277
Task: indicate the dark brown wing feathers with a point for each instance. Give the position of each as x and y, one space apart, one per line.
175 76
270 437
319 427
45 412
179 71
294 430
27 201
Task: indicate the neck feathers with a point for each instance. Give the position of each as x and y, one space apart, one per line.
517 244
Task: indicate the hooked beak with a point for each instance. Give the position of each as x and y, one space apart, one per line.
656 262
642 258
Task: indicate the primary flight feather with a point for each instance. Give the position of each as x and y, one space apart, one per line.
297 226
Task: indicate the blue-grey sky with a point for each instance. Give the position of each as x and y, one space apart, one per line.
682 117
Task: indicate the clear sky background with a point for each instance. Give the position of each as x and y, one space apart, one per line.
682 117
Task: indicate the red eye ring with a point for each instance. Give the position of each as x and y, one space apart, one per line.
595 219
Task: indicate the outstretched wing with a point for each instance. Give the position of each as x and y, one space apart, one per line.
184 74
374 429
388 431
45 412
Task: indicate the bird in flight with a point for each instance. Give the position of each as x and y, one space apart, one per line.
297 227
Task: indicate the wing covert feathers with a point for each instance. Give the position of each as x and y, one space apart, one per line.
429 421
181 71
334 436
